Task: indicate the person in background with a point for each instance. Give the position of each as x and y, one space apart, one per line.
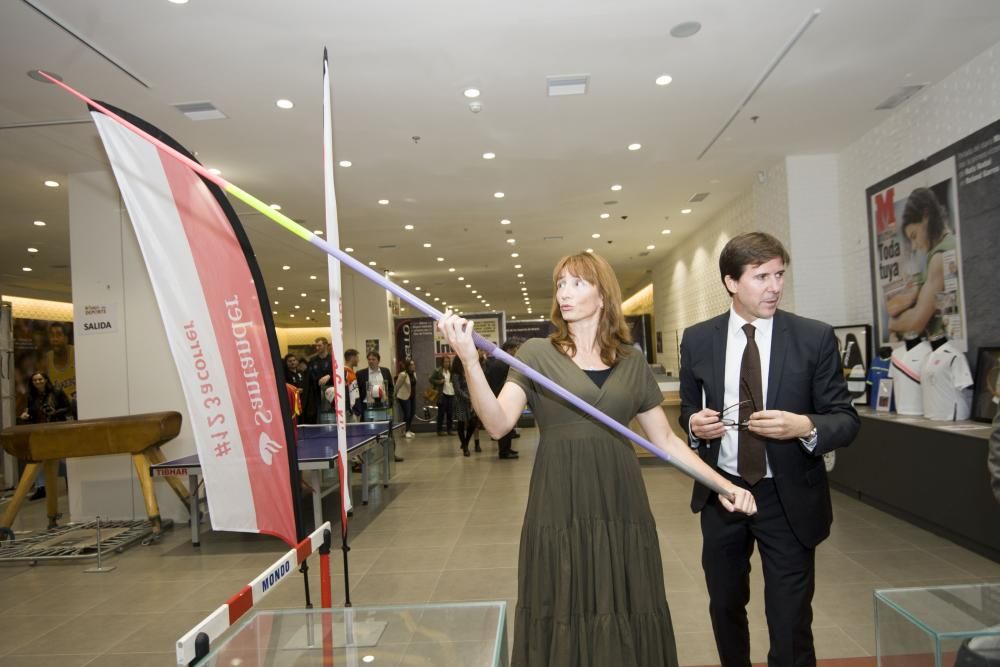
315 407
465 418
375 389
441 381
496 375
993 456
46 404
406 393
293 375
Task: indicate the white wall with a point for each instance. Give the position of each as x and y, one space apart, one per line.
128 371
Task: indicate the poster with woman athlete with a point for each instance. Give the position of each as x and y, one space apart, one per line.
931 274
43 346
918 277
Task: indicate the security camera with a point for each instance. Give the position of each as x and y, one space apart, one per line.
475 107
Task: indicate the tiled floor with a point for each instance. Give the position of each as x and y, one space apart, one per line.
446 530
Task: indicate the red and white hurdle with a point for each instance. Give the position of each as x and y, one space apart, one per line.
194 645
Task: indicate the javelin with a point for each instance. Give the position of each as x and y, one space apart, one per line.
415 301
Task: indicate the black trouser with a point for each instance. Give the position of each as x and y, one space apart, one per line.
445 406
407 407
789 579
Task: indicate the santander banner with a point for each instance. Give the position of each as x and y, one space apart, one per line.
218 332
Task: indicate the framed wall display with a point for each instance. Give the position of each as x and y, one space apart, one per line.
986 397
855 343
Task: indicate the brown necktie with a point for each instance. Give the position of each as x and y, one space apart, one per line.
750 461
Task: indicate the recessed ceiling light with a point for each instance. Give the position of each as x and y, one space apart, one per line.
664 80
285 267
471 93
665 231
318 232
616 187
520 275
505 221
605 216
323 300
451 270
391 273
514 254
634 147
302 294
416 289
345 163
427 245
406 282
276 207
312 277
215 171
285 104
513 317
276 302
512 241
383 202
32 249
461 277
291 314
685 29
475 291
517 266
489 156
371 263
595 236
467 285
178 2
26 268
427 293
590 250
685 211
52 184
348 249
408 227
651 247
440 259
524 289
39 223
437 298
498 195
280 288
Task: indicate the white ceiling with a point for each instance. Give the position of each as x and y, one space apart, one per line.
399 69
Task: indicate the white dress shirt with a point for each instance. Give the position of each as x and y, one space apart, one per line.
736 342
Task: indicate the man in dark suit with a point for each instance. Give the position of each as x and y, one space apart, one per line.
375 387
496 376
763 397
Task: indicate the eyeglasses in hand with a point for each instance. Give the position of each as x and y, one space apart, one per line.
735 423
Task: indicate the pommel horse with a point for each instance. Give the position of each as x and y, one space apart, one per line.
42 445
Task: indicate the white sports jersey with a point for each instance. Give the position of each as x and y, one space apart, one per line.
947 384
905 373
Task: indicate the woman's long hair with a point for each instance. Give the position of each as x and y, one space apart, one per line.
34 393
613 336
457 367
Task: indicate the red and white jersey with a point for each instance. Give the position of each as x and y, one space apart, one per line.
904 369
947 384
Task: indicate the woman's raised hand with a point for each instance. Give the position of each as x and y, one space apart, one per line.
458 332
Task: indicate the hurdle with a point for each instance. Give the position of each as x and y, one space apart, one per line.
196 643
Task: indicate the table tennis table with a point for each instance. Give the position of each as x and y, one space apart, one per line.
317 451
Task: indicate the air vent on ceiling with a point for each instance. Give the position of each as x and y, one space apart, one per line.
900 96
387 246
552 238
698 196
572 84
200 111
611 202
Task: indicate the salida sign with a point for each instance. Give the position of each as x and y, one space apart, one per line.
97 319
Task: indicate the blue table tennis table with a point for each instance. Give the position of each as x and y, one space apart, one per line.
317 451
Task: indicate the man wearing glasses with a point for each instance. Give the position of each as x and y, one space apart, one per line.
763 397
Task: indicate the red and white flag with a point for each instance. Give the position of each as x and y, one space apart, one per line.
216 315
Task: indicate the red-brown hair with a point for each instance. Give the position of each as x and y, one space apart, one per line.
613 336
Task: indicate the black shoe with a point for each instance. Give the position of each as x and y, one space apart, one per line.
515 434
38 494
513 451
399 459
478 448
510 455
465 452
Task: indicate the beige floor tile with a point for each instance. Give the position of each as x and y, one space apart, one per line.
395 588
17 630
157 632
863 635
696 648
87 633
411 559
55 660
458 585
509 534
909 564
482 556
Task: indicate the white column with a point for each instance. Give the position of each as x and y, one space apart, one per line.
127 371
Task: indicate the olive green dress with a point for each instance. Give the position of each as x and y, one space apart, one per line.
590 579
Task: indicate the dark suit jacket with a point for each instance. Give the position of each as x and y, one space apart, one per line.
805 377
386 381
